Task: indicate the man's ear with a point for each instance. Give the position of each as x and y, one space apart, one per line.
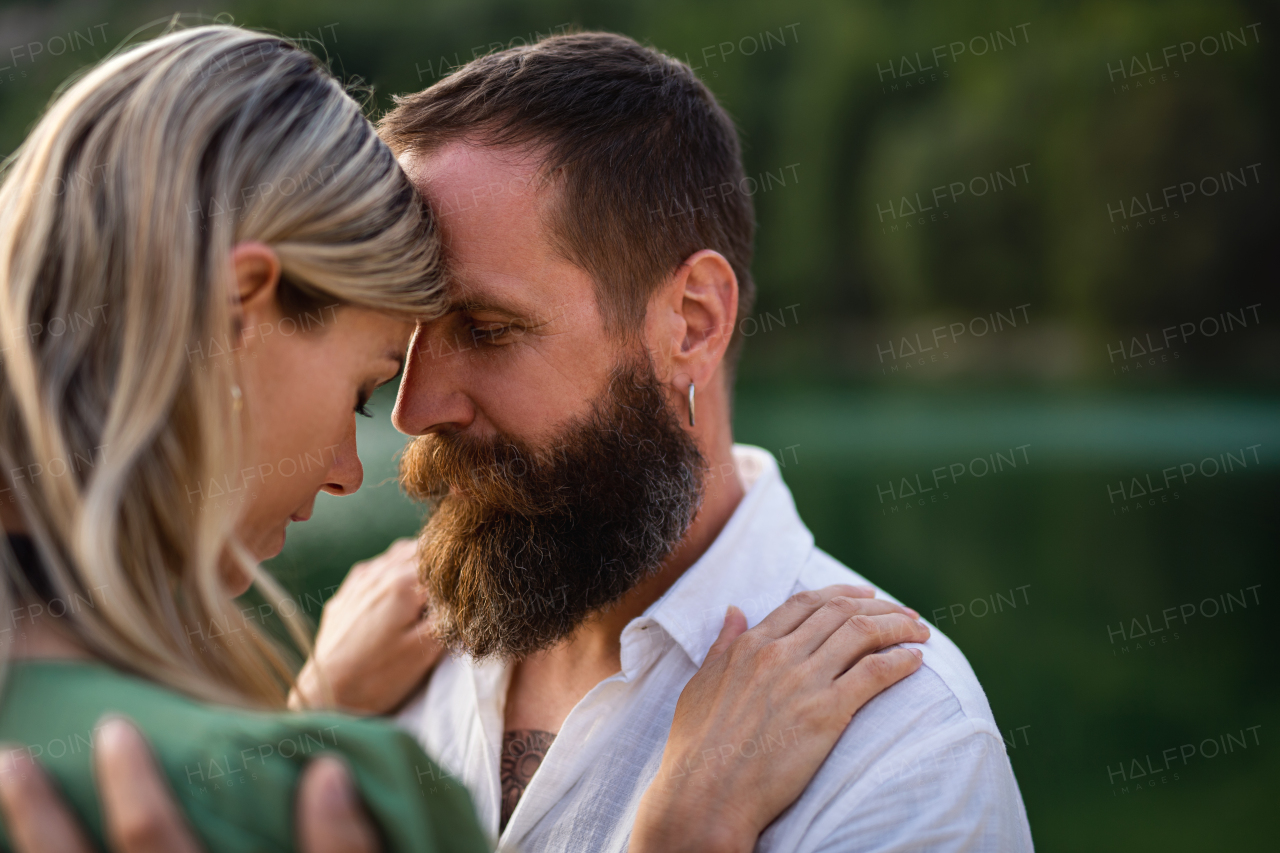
256 267
695 320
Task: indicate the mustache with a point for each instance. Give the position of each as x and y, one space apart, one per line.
630 421
499 471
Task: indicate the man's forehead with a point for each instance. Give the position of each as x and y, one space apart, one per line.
467 168
496 249
490 220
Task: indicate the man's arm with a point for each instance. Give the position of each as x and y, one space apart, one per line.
950 790
141 815
958 795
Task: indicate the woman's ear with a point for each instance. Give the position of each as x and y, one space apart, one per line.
257 271
256 267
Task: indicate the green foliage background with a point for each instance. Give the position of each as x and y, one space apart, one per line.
837 287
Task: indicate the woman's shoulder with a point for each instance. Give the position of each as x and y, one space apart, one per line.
64 700
233 770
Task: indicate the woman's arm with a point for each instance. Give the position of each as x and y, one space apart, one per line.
806 670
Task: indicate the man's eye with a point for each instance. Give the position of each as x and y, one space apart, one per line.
362 406
490 334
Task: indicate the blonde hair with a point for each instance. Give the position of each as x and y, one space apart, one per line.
117 219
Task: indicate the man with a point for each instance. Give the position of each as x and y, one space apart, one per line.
593 516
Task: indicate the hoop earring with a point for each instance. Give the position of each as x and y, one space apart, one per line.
691 422
237 398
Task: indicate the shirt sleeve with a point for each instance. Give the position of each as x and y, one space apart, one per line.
954 793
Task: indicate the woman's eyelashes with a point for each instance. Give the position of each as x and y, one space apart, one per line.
366 394
362 404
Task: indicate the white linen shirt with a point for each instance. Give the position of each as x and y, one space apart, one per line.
921 767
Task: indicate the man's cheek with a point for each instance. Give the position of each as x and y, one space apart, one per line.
533 410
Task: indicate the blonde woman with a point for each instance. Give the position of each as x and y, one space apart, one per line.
208 262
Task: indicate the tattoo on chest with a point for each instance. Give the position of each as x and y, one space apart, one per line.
522 754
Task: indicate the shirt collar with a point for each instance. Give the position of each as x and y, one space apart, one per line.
754 563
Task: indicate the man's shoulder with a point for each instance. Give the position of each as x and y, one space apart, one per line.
947 677
922 759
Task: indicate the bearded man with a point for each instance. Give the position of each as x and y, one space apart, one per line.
592 516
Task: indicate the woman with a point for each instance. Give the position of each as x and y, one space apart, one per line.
208 262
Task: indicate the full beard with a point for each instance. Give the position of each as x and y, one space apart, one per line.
525 543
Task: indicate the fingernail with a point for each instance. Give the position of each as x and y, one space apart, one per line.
111 731
913 614
866 590
114 731
919 654
337 792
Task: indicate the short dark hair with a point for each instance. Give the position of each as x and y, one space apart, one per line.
649 164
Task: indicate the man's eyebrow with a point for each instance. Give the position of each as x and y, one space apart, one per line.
480 304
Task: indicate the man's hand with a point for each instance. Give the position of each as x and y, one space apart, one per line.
141 815
372 648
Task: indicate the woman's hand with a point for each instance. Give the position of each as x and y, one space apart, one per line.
372 648
754 724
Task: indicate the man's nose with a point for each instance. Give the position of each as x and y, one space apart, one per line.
346 473
432 397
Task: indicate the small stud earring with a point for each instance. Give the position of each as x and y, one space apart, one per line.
691 422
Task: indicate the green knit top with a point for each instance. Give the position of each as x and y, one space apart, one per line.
234 772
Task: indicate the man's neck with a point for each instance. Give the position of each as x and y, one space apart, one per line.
721 495
545 687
